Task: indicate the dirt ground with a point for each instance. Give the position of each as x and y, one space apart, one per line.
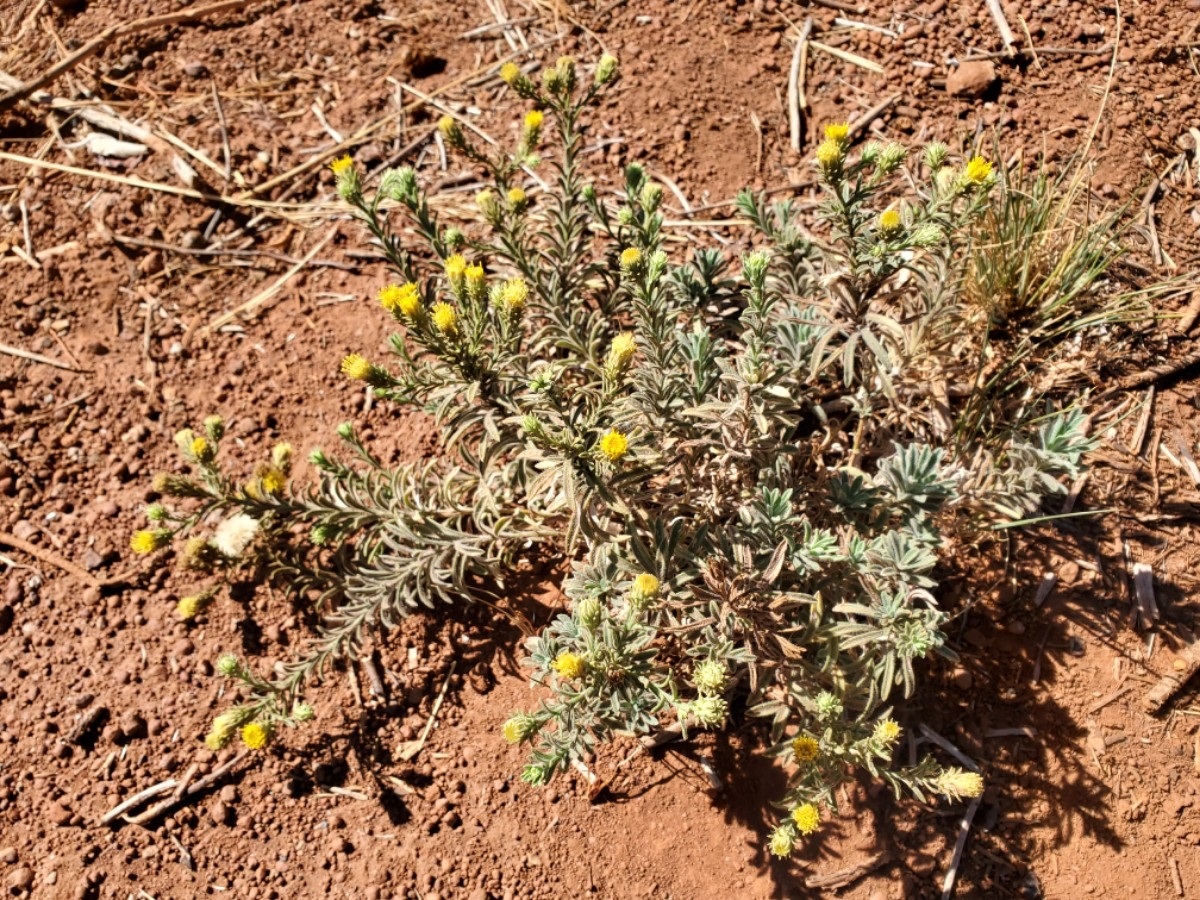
118 290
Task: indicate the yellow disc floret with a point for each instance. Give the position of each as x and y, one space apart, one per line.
456 267
509 73
149 541
889 222
887 732
807 818
805 749
273 481
357 367
533 119
614 445
401 299
445 319
839 132
630 257
829 154
341 165
569 665
256 735
978 170
514 295
202 449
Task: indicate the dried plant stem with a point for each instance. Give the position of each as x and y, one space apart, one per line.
1006 33
271 290
49 558
964 829
38 358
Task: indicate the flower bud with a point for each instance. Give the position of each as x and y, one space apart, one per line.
651 198
156 512
229 665
709 712
345 431
926 236
590 613
936 154
519 728
532 426
619 356
891 157
399 184
782 842
606 69
566 70
302 712
829 707
183 440
710 677
214 428
489 205
177 486
957 783
452 133
754 267
281 456
454 238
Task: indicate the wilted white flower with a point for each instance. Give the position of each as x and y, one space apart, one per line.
235 534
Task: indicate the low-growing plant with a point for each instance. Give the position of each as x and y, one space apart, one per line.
752 466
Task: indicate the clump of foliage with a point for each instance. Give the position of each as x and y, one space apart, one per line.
753 466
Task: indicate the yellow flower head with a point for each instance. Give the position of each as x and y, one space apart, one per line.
645 587
889 222
448 127
256 735
445 319
957 783
341 165
829 154
533 119
273 481
202 449
475 281
805 749
404 300
837 131
456 268
509 73
807 818
517 198
978 170
887 732
569 665
514 295
614 445
620 353
190 607
148 541
631 257
356 367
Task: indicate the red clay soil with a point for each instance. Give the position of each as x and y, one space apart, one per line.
104 693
